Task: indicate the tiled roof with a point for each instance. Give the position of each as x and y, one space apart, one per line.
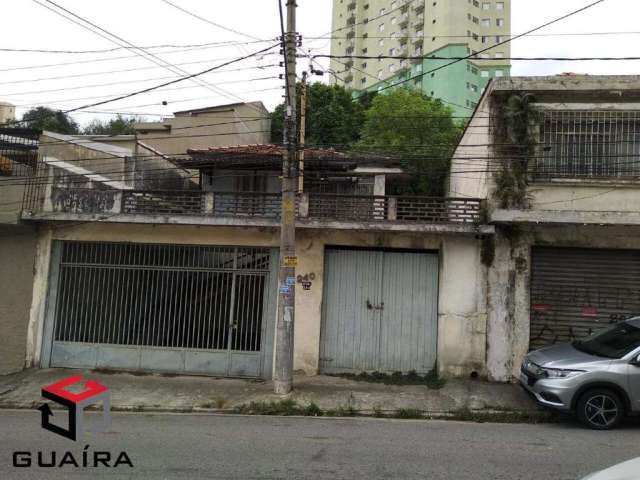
266 150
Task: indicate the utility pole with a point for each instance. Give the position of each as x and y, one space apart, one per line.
303 131
283 371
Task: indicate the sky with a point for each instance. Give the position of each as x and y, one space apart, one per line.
242 27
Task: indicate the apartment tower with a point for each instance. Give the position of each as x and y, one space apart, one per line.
425 28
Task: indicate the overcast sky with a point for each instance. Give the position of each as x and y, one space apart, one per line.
27 25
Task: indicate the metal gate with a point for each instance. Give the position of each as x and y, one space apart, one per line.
575 291
172 308
380 311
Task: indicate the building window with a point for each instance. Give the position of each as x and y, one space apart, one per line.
587 144
394 20
383 11
499 55
499 73
363 81
499 39
381 42
392 67
486 6
380 74
484 73
500 22
381 27
486 22
500 6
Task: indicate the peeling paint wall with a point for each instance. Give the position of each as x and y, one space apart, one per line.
462 309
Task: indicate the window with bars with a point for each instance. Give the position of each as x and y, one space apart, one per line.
588 144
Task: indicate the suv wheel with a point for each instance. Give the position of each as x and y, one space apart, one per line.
600 409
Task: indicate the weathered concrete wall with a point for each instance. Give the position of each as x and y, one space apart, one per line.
585 196
462 312
508 305
17 254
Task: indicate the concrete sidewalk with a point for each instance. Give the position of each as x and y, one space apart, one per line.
150 392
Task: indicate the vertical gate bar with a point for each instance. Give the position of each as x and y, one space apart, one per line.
189 298
145 335
173 280
171 272
206 324
87 288
77 330
155 320
114 322
64 318
253 317
216 304
179 291
113 304
202 277
99 296
232 313
247 299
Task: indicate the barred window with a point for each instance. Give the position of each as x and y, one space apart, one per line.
589 144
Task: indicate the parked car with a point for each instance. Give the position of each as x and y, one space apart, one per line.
623 471
597 378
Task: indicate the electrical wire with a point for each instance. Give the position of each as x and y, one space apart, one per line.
139 51
156 87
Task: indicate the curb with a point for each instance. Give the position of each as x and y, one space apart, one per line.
476 416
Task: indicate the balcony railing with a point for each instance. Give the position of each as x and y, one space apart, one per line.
312 206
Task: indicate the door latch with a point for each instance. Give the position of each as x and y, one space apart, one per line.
370 306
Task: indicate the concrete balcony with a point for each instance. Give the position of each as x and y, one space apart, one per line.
313 210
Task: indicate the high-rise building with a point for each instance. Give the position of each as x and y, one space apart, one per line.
425 28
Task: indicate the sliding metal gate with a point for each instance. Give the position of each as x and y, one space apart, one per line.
575 291
172 308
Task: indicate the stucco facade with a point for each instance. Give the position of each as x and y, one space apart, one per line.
17 256
461 306
576 205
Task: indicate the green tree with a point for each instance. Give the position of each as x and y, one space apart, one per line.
418 129
44 118
333 117
116 126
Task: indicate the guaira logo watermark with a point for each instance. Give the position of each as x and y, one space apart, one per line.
74 394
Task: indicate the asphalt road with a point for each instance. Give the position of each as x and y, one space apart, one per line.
235 447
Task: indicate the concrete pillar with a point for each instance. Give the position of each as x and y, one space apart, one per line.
379 185
392 208
209 202
303 205
117 203
508 307
47 205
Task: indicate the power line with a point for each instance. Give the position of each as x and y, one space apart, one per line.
575 12
206 20
156 87
136 69
98 60
146 47
139 51
122 82
473 57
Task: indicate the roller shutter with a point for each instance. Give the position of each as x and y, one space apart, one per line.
575 291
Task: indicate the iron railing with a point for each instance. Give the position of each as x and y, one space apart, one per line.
314 206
